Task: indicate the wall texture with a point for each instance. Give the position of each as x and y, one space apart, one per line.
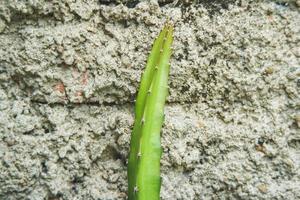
69 71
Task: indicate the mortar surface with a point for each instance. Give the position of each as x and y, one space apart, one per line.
69 73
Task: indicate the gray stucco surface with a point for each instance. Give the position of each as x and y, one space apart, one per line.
69 72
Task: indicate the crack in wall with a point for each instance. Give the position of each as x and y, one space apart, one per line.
112 104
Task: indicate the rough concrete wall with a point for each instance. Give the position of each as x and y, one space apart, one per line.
69 71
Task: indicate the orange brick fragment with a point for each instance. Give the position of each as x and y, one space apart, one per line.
60 87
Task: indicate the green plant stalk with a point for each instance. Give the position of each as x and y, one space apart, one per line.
139 109
145 150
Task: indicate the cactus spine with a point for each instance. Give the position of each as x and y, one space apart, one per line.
145 150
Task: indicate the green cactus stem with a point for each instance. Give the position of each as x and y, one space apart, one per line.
145 150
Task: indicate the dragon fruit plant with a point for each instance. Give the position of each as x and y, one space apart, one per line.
144 180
